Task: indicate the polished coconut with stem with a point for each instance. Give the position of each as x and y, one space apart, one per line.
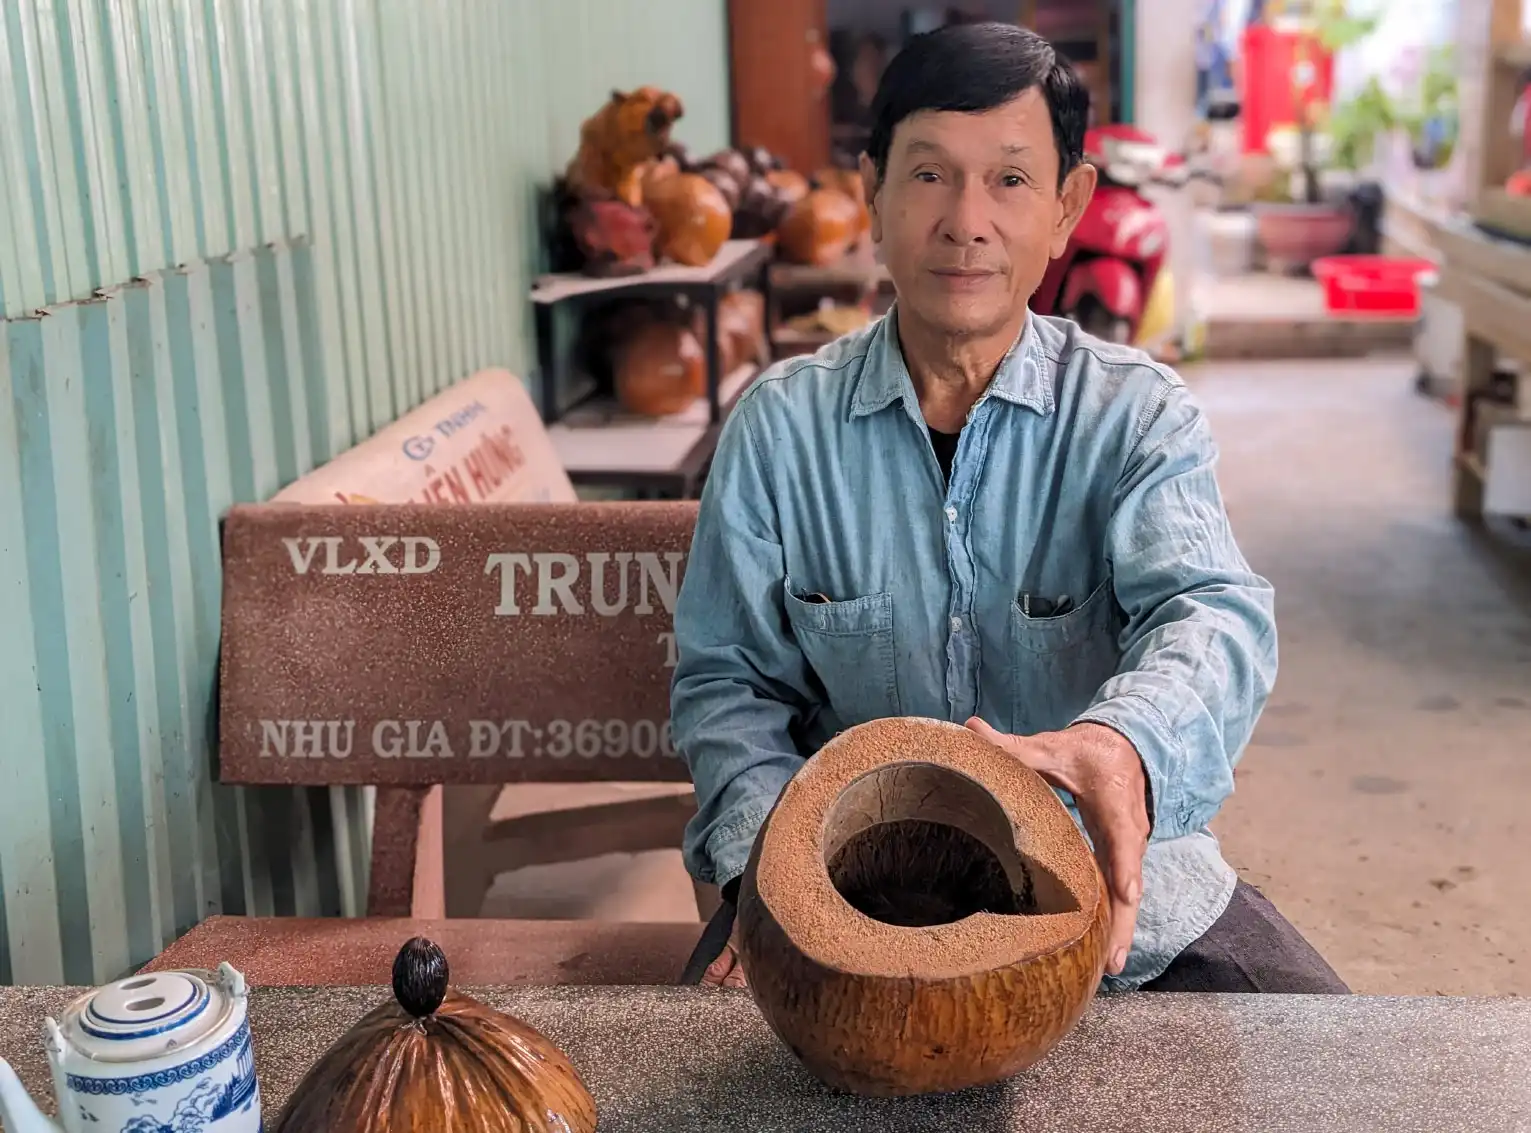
432 1060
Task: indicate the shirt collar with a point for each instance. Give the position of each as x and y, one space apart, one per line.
1021 378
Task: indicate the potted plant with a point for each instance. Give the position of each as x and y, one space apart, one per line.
1355 125
1432 121
1298 223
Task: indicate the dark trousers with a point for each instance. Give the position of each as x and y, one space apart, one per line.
1250 948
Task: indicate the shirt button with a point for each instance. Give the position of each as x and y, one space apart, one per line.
951 514
956 624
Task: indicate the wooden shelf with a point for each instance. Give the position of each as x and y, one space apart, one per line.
1516 54
1489 277
599 440
1504 212
734 259
1494 314
1465 246
853 271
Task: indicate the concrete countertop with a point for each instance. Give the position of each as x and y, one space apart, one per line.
683 1060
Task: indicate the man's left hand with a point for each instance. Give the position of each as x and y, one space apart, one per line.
1104 773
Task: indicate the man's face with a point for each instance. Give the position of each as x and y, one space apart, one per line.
969 212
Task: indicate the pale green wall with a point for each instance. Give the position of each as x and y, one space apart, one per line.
237 236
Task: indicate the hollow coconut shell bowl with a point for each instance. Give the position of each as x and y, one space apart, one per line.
919 913
435 1061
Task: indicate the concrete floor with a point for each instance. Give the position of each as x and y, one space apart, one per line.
1381 803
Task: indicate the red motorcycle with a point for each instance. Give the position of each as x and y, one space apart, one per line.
1104 277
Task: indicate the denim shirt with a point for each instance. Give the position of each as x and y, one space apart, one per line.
1079 567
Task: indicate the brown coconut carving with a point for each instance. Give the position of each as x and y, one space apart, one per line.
919 913
660 369
820 228
694 218
434 1060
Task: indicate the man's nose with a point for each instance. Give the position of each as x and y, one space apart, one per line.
966 220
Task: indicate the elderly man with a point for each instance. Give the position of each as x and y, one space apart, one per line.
971 512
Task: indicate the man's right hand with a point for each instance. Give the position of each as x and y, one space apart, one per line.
728 969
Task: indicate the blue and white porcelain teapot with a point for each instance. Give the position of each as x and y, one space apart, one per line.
167 1052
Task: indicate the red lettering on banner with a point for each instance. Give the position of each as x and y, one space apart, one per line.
476 473
459 492
493 460
505 450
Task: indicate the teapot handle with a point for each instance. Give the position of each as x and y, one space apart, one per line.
232 980
53 1039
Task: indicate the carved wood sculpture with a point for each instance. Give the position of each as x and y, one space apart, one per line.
741 326
693 216
613 239
434 1060
849 182
919 913
660 368
820 228
616 142
789 183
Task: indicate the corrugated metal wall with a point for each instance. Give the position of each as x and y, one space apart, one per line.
237 236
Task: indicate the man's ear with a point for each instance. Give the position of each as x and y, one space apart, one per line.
871 184
1078 189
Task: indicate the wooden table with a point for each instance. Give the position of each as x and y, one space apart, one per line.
603 446
798 288
1490 279
684 1060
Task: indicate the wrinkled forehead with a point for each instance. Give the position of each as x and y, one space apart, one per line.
1018 131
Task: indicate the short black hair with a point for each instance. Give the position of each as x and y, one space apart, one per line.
971 68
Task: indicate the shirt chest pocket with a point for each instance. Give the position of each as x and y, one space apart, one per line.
851 649
1059 662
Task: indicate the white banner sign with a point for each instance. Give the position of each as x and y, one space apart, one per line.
480 441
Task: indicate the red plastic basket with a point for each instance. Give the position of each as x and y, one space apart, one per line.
1383 286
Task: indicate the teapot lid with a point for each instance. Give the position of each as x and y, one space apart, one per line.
146 1015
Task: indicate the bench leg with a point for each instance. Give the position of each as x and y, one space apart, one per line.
399 885
479 849
468 874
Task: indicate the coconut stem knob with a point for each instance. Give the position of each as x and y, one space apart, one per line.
420 976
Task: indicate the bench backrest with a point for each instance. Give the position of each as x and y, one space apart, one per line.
409 645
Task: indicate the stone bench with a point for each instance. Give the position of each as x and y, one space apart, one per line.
482 441
359 951
410 647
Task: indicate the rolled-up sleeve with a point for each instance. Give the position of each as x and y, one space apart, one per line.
741 683
1199 643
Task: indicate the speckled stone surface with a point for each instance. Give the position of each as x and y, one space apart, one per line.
682 1060
405 676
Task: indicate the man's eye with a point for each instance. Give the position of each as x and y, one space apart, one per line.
1013 180
926 175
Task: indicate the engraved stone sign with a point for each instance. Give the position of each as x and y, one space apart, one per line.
410 644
